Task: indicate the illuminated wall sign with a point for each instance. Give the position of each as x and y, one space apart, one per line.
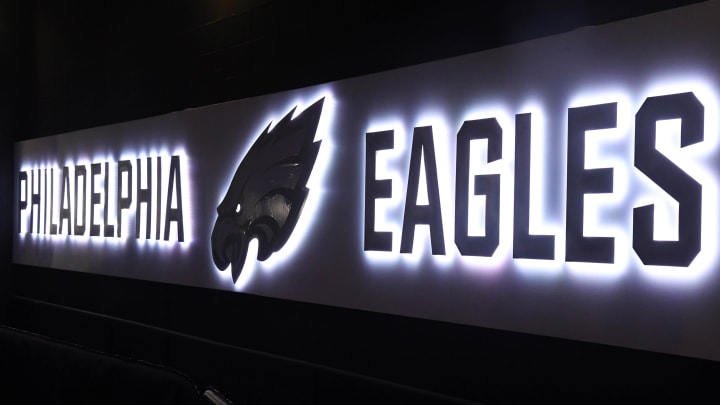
566 186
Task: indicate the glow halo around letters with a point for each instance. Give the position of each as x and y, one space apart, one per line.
694 160
111 242
610 148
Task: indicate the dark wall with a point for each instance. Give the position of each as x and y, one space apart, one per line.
102 62
80 64
16 78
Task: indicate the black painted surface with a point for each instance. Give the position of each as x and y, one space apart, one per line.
42 370
15 110
80 64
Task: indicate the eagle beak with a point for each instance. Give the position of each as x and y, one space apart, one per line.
229 246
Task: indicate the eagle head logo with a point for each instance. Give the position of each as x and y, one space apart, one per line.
268 191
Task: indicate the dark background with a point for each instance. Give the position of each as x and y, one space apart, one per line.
78 64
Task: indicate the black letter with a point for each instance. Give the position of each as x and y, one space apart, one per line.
65 192
487 185
45 202
22 203
80 171
144 196
678 184
525 245
159 195
35 200
174 214
94 199
422 214
123 203
581 181
376 189
109 230
53 226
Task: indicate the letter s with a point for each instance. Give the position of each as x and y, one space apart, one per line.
673 180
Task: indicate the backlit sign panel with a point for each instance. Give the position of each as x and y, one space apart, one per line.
565 186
